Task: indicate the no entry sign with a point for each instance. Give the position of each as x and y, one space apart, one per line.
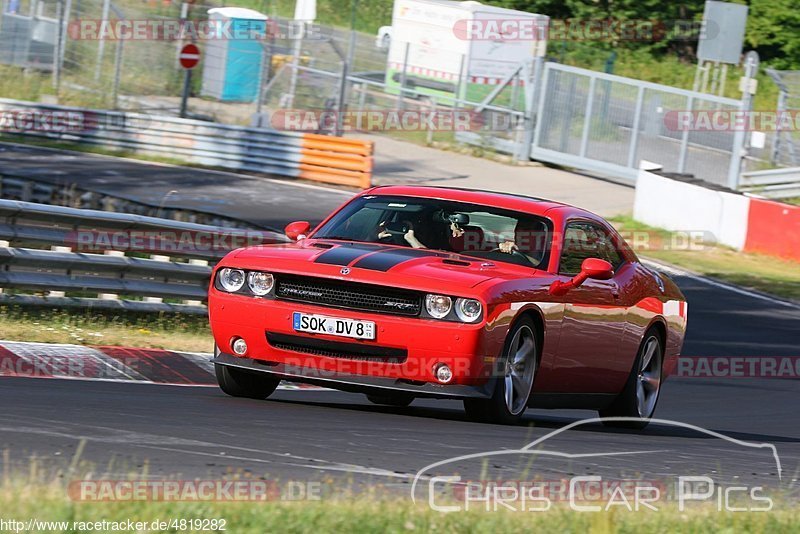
189 56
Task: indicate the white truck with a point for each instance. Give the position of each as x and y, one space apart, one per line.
435 43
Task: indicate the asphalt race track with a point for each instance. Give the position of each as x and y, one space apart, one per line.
190 432
265 202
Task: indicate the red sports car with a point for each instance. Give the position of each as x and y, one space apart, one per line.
501 300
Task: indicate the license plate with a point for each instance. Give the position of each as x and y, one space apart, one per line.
333 326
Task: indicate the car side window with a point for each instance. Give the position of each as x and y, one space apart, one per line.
584 240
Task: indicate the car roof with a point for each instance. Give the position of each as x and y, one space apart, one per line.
496 199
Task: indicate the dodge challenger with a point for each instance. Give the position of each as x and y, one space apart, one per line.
502 301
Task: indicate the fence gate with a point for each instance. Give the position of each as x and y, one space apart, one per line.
608 124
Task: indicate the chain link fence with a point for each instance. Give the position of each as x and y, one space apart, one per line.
785 148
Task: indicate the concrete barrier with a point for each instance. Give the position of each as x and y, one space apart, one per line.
680 206
733 219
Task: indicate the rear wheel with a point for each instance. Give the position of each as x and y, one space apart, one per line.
400 400
513 388
241 383
640 396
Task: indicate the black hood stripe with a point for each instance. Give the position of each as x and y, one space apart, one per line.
345 254
385 260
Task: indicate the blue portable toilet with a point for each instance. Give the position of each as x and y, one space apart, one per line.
234 55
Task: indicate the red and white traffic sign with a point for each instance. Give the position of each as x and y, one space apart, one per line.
189 56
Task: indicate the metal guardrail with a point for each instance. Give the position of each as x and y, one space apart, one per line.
86 256
327 159
772 183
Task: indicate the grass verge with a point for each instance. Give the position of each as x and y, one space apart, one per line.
760 272
173 332
369 516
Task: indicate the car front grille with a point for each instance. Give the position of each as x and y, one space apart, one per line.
349 295
334 349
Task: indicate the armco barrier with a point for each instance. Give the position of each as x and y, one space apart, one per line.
736 220
59 256
328 159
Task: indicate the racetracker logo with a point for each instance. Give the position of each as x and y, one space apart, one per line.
604 30
191 30
786 367
193 490
382 121
731 121
168 242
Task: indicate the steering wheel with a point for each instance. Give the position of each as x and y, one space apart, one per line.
394 229
515 253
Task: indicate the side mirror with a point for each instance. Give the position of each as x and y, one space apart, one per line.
593 268
596 269
297 230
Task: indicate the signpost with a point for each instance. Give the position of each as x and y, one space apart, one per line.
188 57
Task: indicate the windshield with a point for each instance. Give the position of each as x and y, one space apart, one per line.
469 229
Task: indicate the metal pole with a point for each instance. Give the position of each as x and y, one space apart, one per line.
298 47
117 71
341 104
101 45
351 49
460 85
403 78
587 119
685 140
187 82
531 118
637 119
57 50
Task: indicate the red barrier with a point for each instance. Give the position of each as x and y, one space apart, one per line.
773 228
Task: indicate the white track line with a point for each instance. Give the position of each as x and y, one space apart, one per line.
669 269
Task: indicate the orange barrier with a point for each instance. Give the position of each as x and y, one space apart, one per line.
773 228
336 160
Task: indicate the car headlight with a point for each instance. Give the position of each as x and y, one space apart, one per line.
438 306
468 310
260 283
231 280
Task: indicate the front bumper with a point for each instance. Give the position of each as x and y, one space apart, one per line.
469 350
355 383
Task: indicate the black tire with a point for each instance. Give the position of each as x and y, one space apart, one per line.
242 383
496 410
400 400
627 404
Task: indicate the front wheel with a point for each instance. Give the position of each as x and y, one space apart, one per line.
513 388
640 396
241 383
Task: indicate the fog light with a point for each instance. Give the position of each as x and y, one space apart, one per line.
443 373
239 346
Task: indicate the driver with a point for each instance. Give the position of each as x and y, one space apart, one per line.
410 237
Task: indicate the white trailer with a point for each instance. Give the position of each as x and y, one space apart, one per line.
436 43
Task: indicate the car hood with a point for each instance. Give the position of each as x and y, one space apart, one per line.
374 263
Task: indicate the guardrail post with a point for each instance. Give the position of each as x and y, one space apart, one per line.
56 248
3 244
204 263
111 296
